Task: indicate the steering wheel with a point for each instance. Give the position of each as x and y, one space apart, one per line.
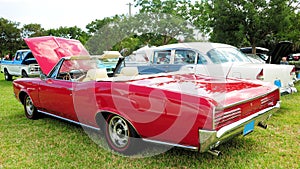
67 76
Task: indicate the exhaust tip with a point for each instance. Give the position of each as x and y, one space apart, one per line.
214 152
261 124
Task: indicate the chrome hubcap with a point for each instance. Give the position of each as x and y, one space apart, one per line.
29 106
118 131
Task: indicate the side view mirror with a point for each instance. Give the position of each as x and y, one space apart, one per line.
43 76
123 51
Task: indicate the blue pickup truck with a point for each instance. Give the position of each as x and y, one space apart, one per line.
23 64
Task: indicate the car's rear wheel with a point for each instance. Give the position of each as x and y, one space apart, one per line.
30 109
7 76
120 135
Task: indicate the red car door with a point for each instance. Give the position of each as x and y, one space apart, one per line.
56 97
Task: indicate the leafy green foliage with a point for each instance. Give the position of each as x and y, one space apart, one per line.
237 22
97 24
69 32
10 37
147 28
257 22
32 30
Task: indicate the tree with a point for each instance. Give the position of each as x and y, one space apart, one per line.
158 29
69 32
97 24
291 30
10 36
239 22
172 7
32 30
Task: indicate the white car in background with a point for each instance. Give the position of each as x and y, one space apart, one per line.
213 59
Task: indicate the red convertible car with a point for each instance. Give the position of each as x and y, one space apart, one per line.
180 109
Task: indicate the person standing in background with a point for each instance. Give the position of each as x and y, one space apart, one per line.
284 61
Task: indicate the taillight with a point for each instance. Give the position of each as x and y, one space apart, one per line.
293 72
260 76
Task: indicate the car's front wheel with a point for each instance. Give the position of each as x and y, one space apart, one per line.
30 109
120 135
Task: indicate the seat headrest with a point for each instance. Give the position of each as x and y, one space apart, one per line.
94 74
129 71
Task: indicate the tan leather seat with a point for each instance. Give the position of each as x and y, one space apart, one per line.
129 71
94 74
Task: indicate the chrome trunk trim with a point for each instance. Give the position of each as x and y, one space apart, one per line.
245 101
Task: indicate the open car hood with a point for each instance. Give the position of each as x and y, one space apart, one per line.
281 49
48 50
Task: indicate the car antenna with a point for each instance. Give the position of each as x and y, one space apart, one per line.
229 70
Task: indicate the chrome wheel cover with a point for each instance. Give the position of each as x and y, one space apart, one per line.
118 131
29 106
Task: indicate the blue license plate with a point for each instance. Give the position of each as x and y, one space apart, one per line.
248 128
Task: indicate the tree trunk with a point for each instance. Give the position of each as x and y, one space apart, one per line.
253 48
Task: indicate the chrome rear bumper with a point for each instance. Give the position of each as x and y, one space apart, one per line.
211 139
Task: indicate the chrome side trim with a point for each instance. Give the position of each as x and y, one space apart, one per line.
171 144
72 121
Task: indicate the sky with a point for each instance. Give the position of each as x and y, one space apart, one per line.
56 13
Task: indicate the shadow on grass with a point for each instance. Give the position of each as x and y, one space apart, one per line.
235 153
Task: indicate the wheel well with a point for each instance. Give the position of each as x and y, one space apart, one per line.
22 96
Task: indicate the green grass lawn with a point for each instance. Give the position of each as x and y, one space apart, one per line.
52 143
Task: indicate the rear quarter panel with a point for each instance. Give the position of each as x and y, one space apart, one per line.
159 114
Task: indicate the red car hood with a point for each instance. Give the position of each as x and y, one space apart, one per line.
224 92
48 50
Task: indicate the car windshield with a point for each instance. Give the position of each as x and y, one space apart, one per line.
224 55
137 58
83 64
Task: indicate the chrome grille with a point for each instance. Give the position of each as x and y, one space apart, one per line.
35 68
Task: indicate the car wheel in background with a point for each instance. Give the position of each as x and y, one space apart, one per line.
7 76
24 74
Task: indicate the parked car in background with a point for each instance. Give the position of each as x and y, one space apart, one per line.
219 60
187 110
274 56
293 57
260 55
23 64
256 58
